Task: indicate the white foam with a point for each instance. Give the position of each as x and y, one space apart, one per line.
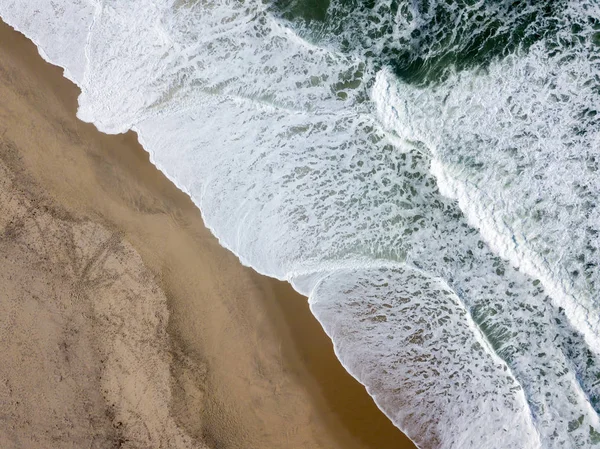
517 170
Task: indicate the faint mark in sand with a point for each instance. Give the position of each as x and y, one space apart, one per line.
88 362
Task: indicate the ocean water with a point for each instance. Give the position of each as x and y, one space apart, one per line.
426 171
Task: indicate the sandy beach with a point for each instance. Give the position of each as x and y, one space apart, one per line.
123 322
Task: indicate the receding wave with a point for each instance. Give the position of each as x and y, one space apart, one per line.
425 171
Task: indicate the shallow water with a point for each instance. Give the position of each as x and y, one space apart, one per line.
426 172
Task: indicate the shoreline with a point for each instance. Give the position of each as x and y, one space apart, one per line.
269 375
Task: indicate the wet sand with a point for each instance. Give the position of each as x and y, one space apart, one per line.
123 322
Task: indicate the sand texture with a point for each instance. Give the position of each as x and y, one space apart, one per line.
123 322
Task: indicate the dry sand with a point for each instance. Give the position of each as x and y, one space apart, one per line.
123 323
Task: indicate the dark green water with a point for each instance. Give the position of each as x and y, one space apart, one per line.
423 41
304 10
